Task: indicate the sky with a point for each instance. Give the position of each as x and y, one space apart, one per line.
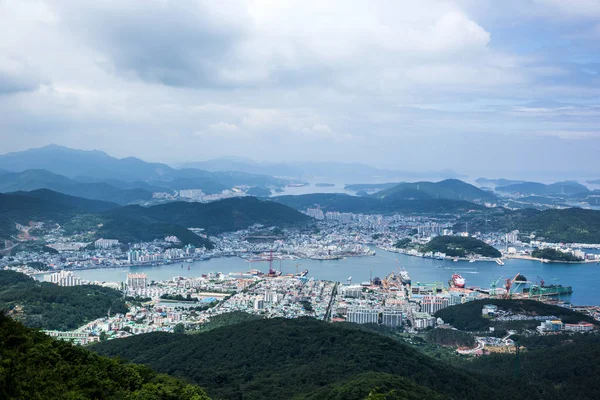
481 87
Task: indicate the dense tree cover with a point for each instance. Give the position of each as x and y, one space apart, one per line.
458 246
467 316
554 255
374 385
449 189
178 297
450 337
281 359
217 216
371 205
568 364
571 225
35 366
128 230
40 266
227 319
49 306
402 243
136 223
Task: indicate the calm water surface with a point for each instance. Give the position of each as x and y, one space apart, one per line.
584 278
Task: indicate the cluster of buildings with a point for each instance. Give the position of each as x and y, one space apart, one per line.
557 326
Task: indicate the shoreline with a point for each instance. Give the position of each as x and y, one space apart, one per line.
530 258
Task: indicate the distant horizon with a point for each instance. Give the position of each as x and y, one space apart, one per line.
435 175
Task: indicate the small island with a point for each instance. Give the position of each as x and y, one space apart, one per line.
259 191
555 255
458 246
324 184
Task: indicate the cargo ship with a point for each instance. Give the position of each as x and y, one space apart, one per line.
457 281
404 277
549 290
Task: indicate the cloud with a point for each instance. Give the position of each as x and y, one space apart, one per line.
259 43
394 82
16 76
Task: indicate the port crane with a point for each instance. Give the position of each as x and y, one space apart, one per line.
510 282
493 286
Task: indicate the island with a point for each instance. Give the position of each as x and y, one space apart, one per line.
324 184
550 254
458 246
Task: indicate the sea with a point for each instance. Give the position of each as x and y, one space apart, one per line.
584 278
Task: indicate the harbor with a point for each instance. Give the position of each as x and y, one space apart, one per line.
581 277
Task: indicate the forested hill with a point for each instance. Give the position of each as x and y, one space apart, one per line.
346 203
35 366
49 306
449 189
305 358
458 246
217 216
136 223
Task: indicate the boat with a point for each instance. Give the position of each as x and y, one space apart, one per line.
301 274
457 281
404 277
499 262
472 260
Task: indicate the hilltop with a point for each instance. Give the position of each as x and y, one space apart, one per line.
35 366
536 188
217 216
449 189
458 246
468 316
49 306
303 358
371 205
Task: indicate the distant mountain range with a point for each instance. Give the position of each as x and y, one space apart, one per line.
327 171
449 189
41 179
536 188
96 175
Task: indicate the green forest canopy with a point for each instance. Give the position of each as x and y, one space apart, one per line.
458 246
49 306
35 366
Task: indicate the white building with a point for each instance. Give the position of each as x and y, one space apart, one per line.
63 278
105 243
137 281
363 316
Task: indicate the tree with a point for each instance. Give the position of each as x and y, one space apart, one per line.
179 328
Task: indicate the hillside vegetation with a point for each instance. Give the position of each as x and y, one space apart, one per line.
567 364
449 189
458 246
554 255
467 316
35 366
136 223
305 358
49 306
370 205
